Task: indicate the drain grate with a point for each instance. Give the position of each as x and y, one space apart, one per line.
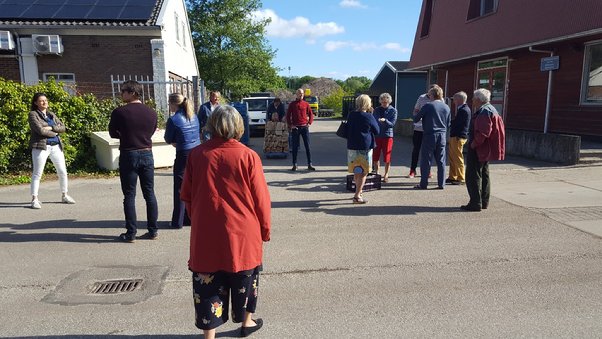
116 286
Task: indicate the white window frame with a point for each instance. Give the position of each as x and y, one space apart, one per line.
585 75
177 25
68 79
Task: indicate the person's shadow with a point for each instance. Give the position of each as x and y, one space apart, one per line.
10 232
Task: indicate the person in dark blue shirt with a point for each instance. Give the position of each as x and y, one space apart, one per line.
361 128
386 115
275 107
435 117
183 132
457 138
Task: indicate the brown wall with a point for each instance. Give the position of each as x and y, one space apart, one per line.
9 69
93 59
527 90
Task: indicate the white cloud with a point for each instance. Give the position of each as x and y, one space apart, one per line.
395 47
331 46
351 4
296 27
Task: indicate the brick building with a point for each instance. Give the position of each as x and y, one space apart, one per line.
87 43
541 59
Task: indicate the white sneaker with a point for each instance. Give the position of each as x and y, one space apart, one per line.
68 200
35 204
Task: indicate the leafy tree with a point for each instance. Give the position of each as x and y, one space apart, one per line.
355 84
233 55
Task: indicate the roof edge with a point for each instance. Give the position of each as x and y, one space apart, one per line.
540 42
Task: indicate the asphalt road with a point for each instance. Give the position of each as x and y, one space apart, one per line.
409 264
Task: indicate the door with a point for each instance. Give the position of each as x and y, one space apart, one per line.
494 80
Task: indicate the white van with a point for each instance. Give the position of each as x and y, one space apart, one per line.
258 109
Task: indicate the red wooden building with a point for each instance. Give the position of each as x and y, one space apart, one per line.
467 44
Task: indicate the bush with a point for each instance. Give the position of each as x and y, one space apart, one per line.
334 101
80 114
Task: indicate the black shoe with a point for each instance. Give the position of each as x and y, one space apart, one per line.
471 208
449 181
484 205
150 236
457 182
124 237
247 331
311 168
294 168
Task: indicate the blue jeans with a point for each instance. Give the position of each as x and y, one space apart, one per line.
133 165
432 145
301 131
179 217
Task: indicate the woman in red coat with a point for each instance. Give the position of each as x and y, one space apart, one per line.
227 197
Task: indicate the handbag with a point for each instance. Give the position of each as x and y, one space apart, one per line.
342 130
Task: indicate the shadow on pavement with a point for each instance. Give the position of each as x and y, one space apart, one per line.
68 223
226 334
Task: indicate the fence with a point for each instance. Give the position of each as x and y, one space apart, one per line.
159 91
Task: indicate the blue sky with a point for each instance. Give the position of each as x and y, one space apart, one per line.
340 38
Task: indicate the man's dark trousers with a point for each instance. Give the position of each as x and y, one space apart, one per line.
433 145
477 180
133 165
301 131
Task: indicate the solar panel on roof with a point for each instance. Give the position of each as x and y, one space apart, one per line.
50 2
104 12
142 3
12 11
26 3
136 13
81 2
72 12
40 12
77 9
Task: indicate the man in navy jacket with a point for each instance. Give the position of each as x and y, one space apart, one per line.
435 119
457 138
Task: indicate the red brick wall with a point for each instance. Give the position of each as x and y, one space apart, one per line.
9 69
93 59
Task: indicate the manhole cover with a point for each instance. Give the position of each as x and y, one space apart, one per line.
109 285
115 286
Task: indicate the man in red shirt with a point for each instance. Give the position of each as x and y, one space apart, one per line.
298 118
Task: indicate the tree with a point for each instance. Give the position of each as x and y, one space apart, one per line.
232 53
356 85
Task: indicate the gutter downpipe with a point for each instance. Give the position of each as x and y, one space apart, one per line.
20 58
547 115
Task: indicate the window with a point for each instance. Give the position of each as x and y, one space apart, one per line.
426 19
177 24
593 74
68 80
479 8
184 35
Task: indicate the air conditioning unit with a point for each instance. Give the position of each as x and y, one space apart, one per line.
47 44
6 41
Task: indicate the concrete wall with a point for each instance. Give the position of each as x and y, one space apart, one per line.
558 148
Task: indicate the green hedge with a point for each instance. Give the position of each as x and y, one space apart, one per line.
81 115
